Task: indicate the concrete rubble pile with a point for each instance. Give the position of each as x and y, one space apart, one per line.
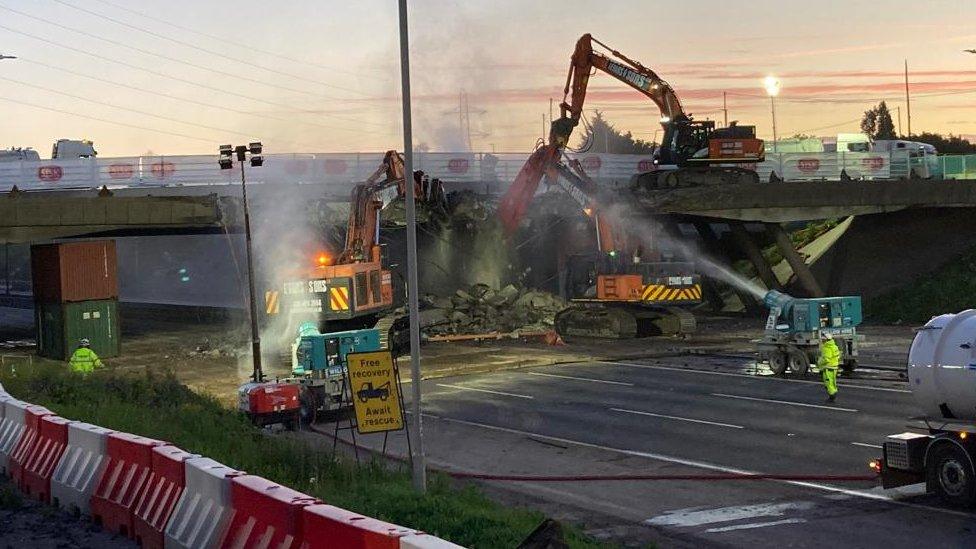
481 309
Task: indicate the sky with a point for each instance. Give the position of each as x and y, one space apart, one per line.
185 76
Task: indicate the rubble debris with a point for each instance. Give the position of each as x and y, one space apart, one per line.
481 309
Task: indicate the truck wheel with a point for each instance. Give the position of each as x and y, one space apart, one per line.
309 407
950 473
799 361
777 361
848 367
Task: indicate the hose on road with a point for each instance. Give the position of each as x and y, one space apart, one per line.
603 478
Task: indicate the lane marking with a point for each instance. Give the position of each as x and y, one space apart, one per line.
581 379
866 445
755 525
463 388
696 516
732 374
638 412
875 494
788 402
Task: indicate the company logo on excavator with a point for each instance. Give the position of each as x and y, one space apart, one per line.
634 78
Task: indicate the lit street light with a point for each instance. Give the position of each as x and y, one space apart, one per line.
772 88
226 161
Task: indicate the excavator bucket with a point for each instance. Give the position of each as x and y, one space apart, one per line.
520 193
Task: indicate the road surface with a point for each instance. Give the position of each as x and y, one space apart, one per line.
660 417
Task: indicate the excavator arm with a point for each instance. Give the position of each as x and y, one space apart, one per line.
621 67
381 188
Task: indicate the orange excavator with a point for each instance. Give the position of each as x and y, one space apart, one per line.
354 290
616 294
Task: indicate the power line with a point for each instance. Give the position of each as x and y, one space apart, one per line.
225 40
180 61
178 79
117 123
221 55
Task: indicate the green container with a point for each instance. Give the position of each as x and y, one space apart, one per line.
61 326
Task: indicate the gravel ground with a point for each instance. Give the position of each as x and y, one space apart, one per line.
27 523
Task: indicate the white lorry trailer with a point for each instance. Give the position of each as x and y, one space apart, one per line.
942 377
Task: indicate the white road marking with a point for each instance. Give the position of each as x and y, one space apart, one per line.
789 402
581 379
866 445
733 374
463 388
696 516
638 412
876 494
755 525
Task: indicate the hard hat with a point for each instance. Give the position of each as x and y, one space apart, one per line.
825 335
85 342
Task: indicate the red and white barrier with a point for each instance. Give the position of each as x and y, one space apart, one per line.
326 526
28 441
81 467
159 496
202 514
52 440
128 470
426 541
11 429
265 514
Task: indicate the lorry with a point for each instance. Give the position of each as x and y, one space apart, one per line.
941 450
791 340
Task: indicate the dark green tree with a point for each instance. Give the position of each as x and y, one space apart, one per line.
601 136
951 144
877 122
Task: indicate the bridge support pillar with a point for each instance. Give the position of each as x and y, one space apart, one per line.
755 255
800 268
714 249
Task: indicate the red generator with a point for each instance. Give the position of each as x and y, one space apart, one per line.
268 403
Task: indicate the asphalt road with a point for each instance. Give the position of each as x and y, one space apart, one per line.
642 417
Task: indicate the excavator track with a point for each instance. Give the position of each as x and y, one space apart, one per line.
694 176
622 321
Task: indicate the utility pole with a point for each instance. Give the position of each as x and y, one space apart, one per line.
899 120
417 460
725 108
908 101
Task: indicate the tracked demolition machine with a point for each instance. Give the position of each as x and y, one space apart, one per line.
791 340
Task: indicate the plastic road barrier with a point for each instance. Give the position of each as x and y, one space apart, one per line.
425 541
203 512
327 526
11 428
81 467
40 464
28 441
265 514
128 470
159 497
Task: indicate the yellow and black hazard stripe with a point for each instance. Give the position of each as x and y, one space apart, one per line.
663 292
271 302
339 298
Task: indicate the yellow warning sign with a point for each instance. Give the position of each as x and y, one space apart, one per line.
339 298
375 394
271 302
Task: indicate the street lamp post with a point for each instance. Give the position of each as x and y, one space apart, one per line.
772 88
226 161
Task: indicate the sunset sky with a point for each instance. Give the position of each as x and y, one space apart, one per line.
181 77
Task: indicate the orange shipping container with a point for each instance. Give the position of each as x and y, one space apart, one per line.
74 271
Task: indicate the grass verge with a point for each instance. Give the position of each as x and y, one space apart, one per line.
158 406
949 289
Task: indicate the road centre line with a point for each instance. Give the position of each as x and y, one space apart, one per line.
755 525
865 494
788 402
638 412
463 388
581 379
732 374
865 445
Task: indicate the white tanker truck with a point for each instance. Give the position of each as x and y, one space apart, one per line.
942 377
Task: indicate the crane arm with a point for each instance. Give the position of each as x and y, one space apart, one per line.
619 66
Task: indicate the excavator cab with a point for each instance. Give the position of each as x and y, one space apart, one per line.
690 142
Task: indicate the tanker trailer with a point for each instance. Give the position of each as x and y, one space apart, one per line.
942 377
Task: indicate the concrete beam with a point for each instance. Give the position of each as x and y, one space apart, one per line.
754 254
800 268
26 217
800 201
